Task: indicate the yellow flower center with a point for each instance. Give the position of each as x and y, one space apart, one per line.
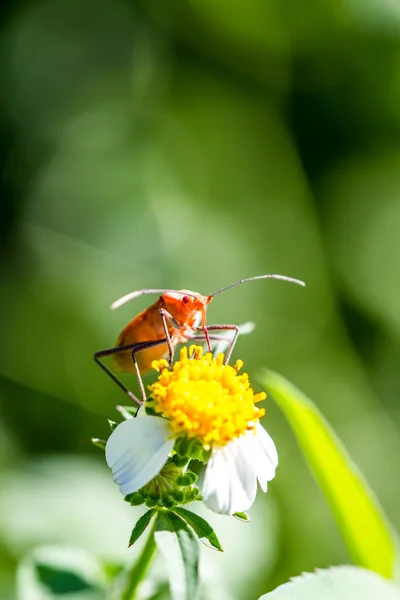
205 399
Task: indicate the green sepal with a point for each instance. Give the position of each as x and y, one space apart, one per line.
180 461
182 447
169 501
192 495
151 502
179 496
198 453
141 526
113 424
188 478
242 516
202 529
134 499
99 443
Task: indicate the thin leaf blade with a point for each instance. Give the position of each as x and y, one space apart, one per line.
242 516
360 518
141 526
179 548
99 443
202 529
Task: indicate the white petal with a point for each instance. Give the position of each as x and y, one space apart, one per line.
267 444
230 483
265 456
137 450
216 483
245 470
141 412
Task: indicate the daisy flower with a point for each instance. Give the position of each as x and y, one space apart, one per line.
201 400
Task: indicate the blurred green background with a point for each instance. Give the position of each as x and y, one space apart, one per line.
187 145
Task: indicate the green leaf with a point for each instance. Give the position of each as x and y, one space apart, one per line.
140 526
128 412
60 572
359 516
180 550
99 443
113 424
242 516
202 529
336 583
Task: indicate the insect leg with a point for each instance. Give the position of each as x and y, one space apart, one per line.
164 316
216 338
232 343
137 347
138 374
123 387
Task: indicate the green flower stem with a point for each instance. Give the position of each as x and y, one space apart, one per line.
139 568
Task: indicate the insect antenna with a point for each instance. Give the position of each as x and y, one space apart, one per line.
283 277
132 295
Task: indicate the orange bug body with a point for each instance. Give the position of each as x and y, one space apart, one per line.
155 332
186 310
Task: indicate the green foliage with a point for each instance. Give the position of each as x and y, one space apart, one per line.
242 516
141 526
344 583
179 548
51 573
360 518
202 529
99 443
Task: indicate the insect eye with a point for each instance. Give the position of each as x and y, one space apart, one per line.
185 299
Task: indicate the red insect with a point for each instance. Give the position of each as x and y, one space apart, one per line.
155 332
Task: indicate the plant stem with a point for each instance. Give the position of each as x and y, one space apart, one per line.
139 568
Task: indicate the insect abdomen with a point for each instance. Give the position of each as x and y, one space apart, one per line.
146 327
